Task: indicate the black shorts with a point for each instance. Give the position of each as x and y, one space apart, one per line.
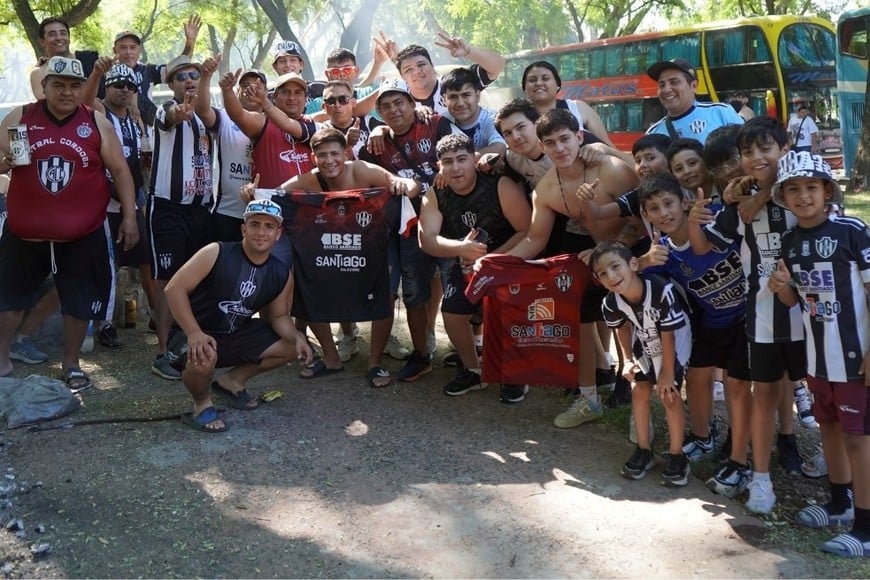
769 361
723 348
454 283
225 228
245 346
84 273
138 254
650 377
175 233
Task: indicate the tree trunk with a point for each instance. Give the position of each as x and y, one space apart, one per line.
357 36
578 22
74 16
860 178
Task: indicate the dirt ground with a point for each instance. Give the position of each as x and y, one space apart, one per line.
336 479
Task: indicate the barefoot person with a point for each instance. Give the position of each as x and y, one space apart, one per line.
214 296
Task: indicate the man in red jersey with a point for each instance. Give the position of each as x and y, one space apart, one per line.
57 213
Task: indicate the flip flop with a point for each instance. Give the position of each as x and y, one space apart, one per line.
241 400
378 373
848 546
200 422
76 379
319 369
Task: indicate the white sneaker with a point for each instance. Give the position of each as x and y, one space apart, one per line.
632 430
718 391
804 405
581 411
394 349
347 347
761 497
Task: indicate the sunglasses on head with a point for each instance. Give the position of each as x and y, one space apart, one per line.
340 70
128 86
341 100
269 208
191 74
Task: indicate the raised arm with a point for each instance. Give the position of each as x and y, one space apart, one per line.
249 122
203 106
191 32
92 85
492 62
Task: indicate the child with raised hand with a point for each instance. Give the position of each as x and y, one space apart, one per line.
715 286
775 336
655 339
825 266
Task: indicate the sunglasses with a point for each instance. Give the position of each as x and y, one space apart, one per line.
269 208
128 86
191 74
341 100
340 71
726 167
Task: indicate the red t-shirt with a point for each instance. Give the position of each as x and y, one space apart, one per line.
531 318
277 156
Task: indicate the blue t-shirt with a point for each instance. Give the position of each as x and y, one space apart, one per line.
698 122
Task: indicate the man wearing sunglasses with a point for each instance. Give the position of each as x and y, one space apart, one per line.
341 66
214 297
178 217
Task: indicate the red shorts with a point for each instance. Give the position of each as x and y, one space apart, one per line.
846 403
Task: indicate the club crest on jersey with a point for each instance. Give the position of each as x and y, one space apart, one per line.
564 281
96 306
320 218
469 219
84 131
825 247
55 173
341 210
514 289
449 291
805 248
408 149
697 127
165 261
363 218
686 269
247 288
570 357
424 145
775 214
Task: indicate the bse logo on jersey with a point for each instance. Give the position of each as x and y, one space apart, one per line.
55 173
564 280
542 309
364 218
341 242
825 247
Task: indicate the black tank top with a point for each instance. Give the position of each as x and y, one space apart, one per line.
479 209
235 289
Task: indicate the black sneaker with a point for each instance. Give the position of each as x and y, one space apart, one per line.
677 470
789 456
621 394
418 365
642 460
108 337
513 394
464 381
152 326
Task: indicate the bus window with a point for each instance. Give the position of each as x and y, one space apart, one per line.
736 46
613 59
572 66
634 116
685 46
806 45
853 38
597 65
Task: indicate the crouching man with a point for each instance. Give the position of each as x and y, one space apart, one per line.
214 297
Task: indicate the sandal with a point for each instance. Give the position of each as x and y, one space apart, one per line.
319 369
76 379
241 400
376 373
202 421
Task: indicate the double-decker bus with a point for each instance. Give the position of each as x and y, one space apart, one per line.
777 61
852 62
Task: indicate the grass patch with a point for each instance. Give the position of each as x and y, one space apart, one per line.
858 204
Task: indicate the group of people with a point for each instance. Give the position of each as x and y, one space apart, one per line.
709 251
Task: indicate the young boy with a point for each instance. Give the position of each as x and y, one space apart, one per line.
774 332
686 161
716 288
825 265
656 346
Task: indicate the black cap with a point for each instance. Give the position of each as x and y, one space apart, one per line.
675 63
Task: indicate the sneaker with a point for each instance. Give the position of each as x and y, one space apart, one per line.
108 337
431 344
697 447
605 379
789 456
580 411
718 391
464 381
162 367
25 350
513 394
394 349
641 461
632 429
418 365
677 469
452 360
731 479
347 347
816 466
804 405
761 497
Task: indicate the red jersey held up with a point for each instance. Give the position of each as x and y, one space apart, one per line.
63 194
531 318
